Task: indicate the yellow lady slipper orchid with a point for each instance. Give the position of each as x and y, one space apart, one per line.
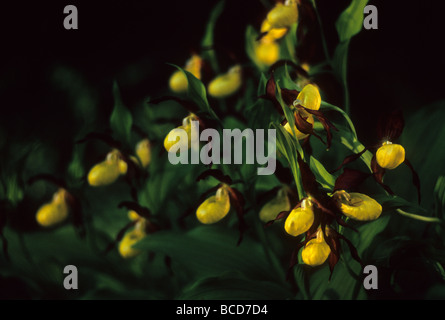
300 219
107 172
300 135
226 84
390 156
310 97
267 52
143 152
278 204
178 81
132 237
358 206
214 208
316 251
283 15
272 33
55 211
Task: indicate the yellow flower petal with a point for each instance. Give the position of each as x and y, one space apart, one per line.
226 84
143 152
278 204
390 156
54 212
310 97
214 208
315 252
360 207
299 220
266 52
126 249
283 16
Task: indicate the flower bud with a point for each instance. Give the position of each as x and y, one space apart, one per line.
143 152
54 212
283 15
359 206
126 249
300 219
278 204
106 172
215 207
390 156
310 97
316 251
226 84
178 81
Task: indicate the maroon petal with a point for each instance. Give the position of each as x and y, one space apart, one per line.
310 184
327 125
350 159
215 173
304 126
350 179
281 215
378 173
119 236
289 96
237 200
390 126
416 179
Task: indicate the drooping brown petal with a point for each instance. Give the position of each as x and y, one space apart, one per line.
327 125
261 35
119 236
102 137
215 173
350 179
294 259
390 125
304 126
306 145
237 200
188 105
140 210
289 96
378 173
281 215
416 179
270 94
350 159
352 249
334 256
283 174
310 184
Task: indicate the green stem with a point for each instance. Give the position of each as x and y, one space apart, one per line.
323 39
419 217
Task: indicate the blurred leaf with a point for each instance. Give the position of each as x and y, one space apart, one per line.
208 39
121 119
350 21
439 197
235 286
210 250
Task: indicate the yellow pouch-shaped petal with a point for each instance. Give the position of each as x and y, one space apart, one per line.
168 144
214 208
178 81
267 52
360 207
390 156
299 220
54 212
143 152
126 249
226 84
272 33
310 97
282 16
278 204
315 252
103 173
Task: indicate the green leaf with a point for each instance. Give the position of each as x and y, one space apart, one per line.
210 251
236 287
326 179
350 21
121 119
208 39
439 197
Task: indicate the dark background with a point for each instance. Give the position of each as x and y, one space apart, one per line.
398 65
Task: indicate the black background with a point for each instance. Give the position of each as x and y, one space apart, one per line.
399 65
